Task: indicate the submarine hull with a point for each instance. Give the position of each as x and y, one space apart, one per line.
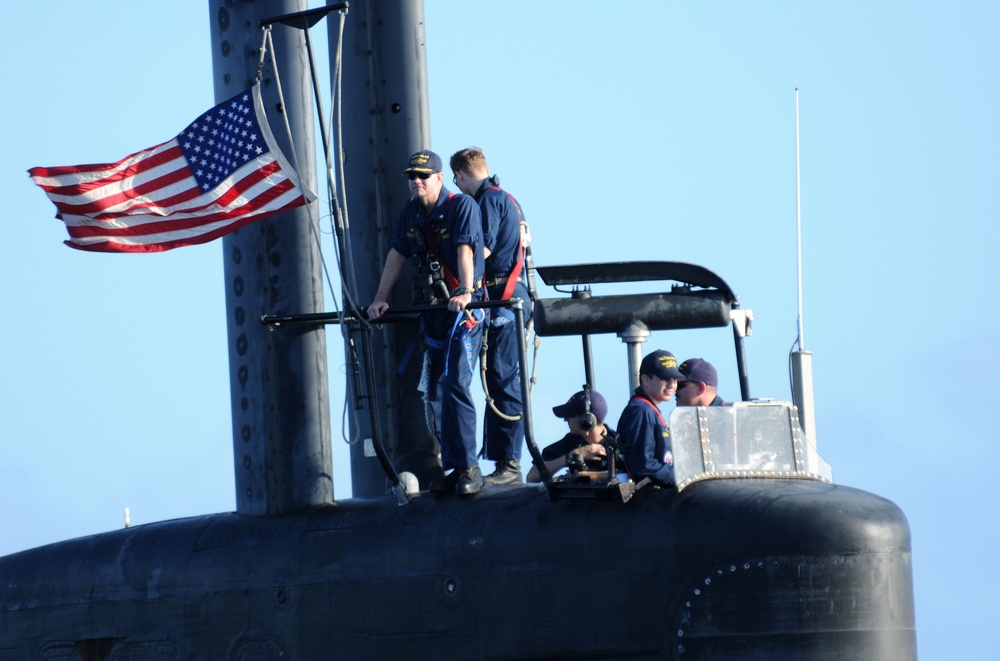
726 569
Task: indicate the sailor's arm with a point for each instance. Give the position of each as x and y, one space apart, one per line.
638 430
394 263
589 452
466 278
553 466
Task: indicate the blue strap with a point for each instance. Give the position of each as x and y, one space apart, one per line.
478 315
405 360
501 317
434 344
447 353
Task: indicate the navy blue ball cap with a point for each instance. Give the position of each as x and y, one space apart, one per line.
424 161
577 405
700 370
661 364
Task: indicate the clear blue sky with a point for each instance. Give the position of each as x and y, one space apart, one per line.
628 130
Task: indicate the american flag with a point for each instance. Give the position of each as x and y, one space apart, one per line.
220 173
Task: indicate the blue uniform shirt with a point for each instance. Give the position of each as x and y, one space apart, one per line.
455 219
646 437
501 229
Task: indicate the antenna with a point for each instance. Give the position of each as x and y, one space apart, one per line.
798 214
800 361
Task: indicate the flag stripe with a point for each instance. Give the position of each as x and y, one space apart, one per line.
266 200
174 240
134 194
67 175
168 241
249 182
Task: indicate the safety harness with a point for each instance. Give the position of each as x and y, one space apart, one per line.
652 406
658 415
511 280
428 244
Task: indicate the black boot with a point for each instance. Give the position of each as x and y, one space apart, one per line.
447 483
508 471
470 482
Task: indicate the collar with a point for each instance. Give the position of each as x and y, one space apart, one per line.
483 187
437 211
641 394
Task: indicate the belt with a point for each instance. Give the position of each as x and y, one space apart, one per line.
496 282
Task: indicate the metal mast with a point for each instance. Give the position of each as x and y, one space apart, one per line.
278 381
385 120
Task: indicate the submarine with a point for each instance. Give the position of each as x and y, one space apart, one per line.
756 554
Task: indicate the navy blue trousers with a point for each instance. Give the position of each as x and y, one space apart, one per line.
450 396
504 439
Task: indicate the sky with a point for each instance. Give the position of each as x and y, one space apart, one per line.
635 130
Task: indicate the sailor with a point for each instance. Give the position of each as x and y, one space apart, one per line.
698 384
642 429
584 444
503 426
443 230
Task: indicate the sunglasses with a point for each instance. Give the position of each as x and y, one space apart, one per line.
418 175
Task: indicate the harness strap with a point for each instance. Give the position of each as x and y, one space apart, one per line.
515 272
466 328
407 354
508 289
433 240
652 406
434 344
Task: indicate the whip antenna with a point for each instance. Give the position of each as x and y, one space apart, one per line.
798 215
800 361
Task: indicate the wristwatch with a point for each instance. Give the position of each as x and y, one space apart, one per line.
458 291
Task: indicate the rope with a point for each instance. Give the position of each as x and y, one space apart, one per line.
537 342
490 402
332 201
425 379
338 204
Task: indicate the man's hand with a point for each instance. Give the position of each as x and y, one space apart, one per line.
458 303
593 451
377 309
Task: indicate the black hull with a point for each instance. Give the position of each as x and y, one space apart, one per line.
727 569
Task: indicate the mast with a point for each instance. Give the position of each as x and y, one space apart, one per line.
278 381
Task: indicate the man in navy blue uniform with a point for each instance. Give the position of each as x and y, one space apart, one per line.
443 230
584 444
642 429
698 384
503 428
